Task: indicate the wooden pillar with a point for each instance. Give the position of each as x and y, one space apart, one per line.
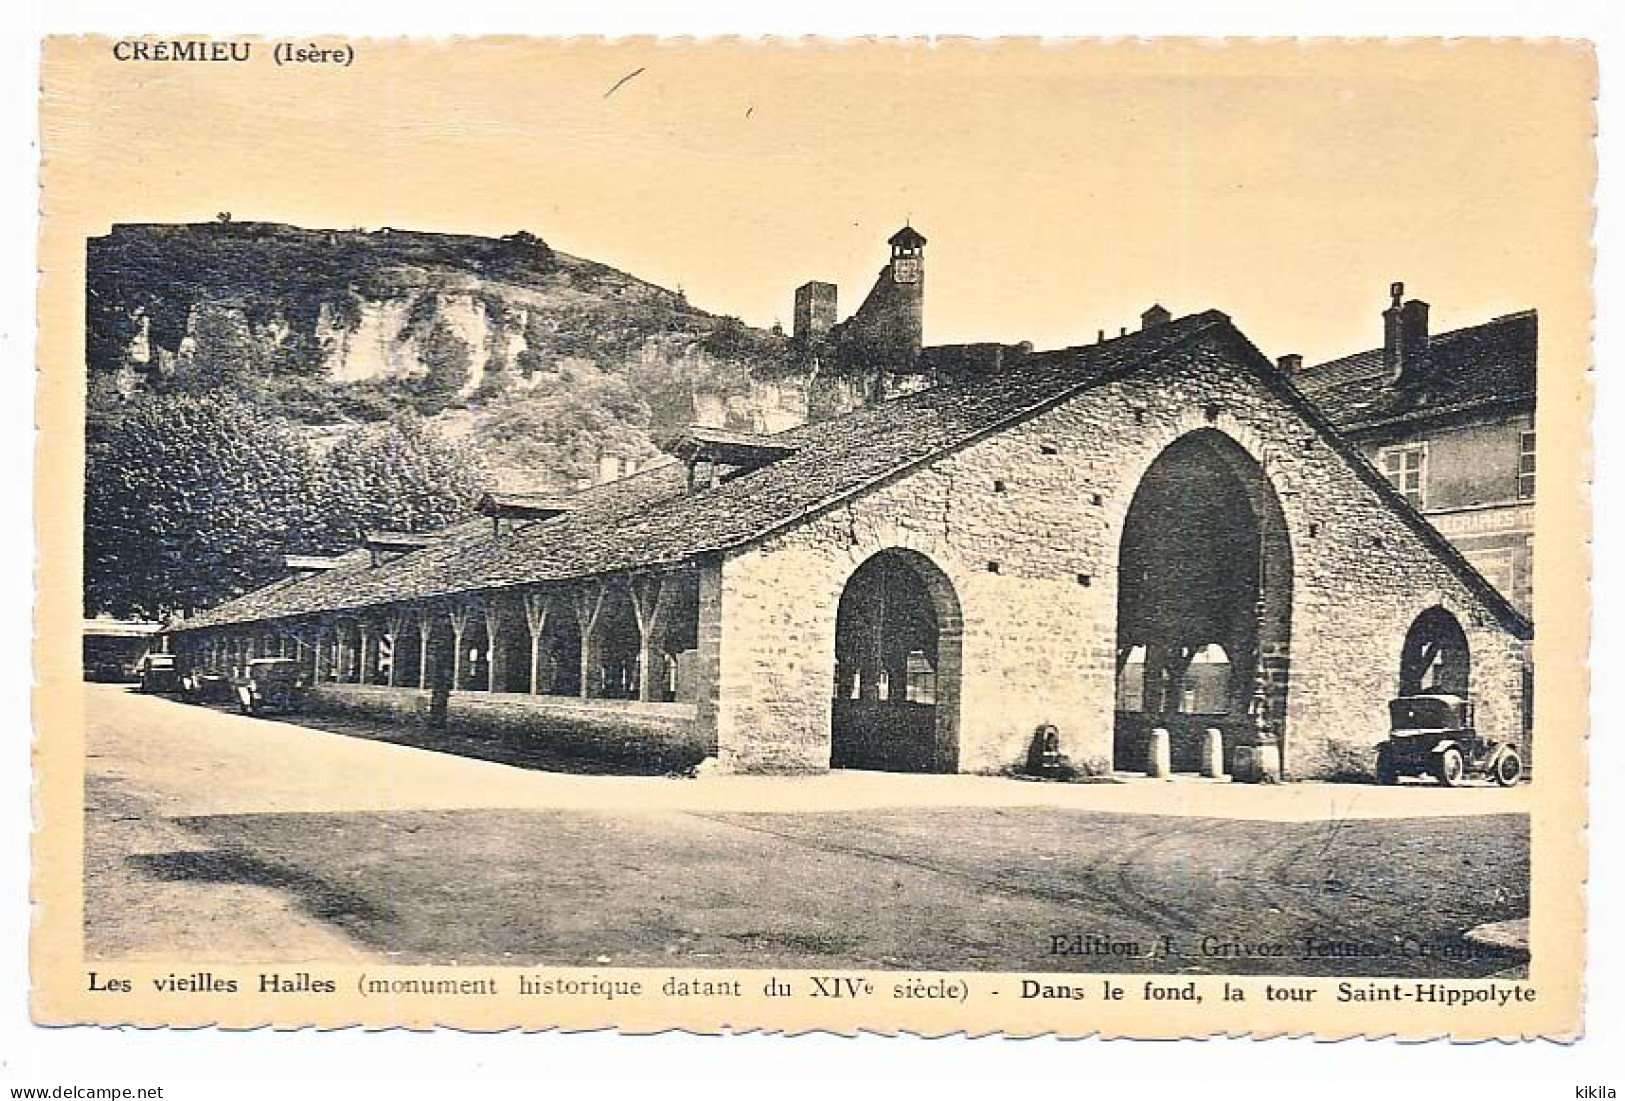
397 624
495 658
1155 678
588 605
649 606
536 621
460 614
366 662
869 663
425 633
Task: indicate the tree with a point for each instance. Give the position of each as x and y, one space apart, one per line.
190 499
557 432
446 357
400 475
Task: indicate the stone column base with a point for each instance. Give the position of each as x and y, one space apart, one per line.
1258 764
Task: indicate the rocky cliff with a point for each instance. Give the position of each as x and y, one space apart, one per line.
562 368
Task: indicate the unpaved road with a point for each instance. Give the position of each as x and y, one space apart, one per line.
219 838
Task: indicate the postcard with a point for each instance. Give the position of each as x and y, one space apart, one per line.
1002 536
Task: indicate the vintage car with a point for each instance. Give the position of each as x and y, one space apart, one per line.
203 686
159 674
1433 735
269 684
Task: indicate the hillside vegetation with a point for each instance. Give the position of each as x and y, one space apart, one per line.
542 361
257 390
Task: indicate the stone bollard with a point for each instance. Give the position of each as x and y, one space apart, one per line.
1212 753
1158 756
1258 764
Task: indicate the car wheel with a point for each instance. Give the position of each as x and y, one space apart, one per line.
1508 768
1450 768
1387 774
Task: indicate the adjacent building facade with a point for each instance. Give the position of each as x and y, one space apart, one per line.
1449 419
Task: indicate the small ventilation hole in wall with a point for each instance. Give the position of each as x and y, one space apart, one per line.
1211 411
998 485
992 567
1314 530
1096 499
1049 449
1085 580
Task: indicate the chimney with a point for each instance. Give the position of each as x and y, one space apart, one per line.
1290 364
1404 337
1154 316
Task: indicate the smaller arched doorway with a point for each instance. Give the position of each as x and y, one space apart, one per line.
897 662
1435 659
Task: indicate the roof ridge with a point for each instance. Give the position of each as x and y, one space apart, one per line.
1435 338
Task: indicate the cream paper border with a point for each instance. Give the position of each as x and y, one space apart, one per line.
81 199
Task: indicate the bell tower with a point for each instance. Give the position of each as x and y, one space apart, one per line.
888 328
907 256
879 345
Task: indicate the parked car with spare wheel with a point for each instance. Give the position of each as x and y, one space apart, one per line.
1433 735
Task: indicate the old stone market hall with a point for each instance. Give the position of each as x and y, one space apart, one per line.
1143 532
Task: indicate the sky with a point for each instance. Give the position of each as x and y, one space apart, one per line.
1063 188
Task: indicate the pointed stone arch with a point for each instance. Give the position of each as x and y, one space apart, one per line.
1204 559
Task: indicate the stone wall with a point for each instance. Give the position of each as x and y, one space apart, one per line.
1026 525
661 735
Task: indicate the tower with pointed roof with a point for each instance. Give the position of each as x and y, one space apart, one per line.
884 336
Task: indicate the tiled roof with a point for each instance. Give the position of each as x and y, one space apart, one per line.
1488 365
730 446
498 503
651 520
397 540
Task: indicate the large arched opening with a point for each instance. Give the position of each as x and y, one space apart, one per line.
898 632
1204 603
1435 658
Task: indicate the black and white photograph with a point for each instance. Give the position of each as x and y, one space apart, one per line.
1009 532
